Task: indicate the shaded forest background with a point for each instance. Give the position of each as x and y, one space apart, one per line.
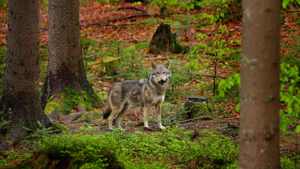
115 38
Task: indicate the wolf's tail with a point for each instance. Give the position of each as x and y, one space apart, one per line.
106 111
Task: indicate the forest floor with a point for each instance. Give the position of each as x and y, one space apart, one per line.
115 40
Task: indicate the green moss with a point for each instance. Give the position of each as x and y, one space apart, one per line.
52 106
173 147
70 100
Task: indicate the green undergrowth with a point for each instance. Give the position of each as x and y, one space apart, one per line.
174 147
290 161
71 100
114 60
289 93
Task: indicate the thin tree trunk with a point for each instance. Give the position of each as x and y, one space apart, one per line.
21 98
65 67
259 134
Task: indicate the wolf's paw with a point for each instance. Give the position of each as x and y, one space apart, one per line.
120 129
148 129
110 129
161 127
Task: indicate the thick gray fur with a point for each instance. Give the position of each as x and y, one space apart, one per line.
144 93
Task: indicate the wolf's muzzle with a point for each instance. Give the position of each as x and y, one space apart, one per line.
161 82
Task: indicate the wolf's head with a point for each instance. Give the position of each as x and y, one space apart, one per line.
160 74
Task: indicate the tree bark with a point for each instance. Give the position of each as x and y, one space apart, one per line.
21 101
259 133
164 40
65 67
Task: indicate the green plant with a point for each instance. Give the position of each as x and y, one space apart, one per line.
178 76
286 3
218 49
3 3
3 163
220 9
216 147
204 19
163 3
150 21
229 87
289 162
183 4
130 65
290 95
14 155
115 59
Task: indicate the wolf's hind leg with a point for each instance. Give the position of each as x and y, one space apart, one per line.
119 117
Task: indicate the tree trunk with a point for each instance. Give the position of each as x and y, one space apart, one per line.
65 67
21 101
164 40
259 133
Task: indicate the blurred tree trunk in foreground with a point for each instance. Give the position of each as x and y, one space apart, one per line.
259 133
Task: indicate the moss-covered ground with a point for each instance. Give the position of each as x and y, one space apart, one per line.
202 136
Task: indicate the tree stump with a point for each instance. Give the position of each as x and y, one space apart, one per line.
164 40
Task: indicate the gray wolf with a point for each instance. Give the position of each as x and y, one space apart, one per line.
145 94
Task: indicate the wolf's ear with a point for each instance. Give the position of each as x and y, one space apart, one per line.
153 65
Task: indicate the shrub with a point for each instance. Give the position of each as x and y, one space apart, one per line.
229 87
222 9
287 3
287 162
290 95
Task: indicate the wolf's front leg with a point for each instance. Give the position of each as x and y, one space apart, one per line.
119 123
110 121
158 109
145 113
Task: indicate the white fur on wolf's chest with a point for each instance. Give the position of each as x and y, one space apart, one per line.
158 98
